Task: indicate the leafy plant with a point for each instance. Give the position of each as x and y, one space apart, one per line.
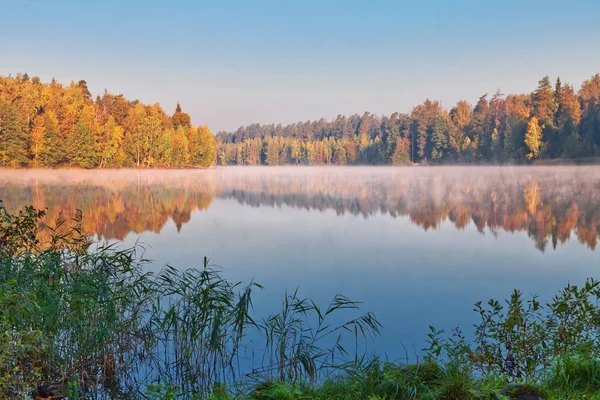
19 232
521 339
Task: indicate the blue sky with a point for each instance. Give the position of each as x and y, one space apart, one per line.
231 63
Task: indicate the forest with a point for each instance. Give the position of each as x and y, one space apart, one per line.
53 125
553 122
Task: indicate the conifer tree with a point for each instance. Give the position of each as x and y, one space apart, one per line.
37 140
81 149
13 137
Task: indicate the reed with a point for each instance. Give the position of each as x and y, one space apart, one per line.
93 322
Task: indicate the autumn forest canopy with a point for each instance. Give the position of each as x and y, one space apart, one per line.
553 122
55 125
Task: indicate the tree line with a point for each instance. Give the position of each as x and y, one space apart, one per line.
553 122
55 125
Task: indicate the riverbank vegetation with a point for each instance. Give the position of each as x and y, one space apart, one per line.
91 322
53 125
553 122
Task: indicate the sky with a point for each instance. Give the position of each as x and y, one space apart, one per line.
232 63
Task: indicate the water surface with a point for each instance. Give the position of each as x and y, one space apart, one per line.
417 245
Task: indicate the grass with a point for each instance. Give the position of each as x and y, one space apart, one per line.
576 376
92 323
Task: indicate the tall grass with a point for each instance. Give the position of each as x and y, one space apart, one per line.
294 338
93 323
197 321
73 317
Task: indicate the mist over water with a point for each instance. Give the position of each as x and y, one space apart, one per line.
417 245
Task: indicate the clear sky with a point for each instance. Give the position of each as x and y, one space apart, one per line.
232 63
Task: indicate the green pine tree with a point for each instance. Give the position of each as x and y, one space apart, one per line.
13 137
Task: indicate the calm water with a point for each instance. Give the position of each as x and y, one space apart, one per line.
417 245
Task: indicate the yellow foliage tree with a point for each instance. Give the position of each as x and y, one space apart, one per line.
203 147
109 146
180 152
533 138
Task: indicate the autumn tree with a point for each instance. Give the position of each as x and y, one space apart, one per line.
180 118
339 153
533 138
460 115
296 152
115 106
544 105
203 147
271 152
109 145
222 158
401 154
143 127
422 117
180 154
165 148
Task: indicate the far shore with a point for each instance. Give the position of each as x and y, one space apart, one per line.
587 161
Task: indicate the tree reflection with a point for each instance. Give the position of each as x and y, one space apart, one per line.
549 206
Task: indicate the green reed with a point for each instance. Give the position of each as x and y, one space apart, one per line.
93 322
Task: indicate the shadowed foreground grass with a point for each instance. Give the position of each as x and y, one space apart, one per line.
91 323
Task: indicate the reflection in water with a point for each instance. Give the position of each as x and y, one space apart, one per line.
550 203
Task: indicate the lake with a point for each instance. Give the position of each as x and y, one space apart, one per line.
417 245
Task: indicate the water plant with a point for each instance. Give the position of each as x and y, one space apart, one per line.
93 321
